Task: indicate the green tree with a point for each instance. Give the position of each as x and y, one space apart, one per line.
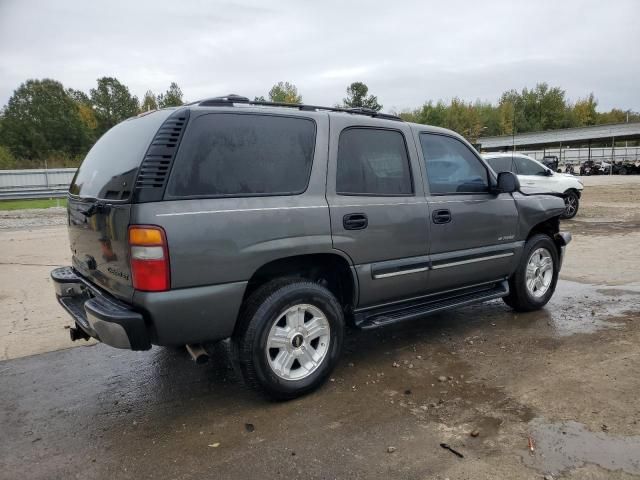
357 97
259 99
584 112
85 110
149 102
284 92
79 96
171 98
112 103
7 161
41 117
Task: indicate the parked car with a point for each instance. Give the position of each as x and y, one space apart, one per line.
275 225
551 162
590 167
535 177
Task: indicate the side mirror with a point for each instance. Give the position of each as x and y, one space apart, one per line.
549 172
507 183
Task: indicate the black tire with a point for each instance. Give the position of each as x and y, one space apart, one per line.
571 203
519 298
260 312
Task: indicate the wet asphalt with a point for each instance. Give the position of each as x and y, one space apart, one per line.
97 412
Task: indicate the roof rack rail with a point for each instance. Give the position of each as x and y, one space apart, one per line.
233 98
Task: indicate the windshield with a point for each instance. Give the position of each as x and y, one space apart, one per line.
109 169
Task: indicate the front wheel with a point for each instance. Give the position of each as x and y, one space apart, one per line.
289 338
533 283
571 204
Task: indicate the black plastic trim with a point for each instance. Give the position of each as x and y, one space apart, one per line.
153 173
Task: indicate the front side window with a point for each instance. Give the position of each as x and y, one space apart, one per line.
529 167
451 167
501 164
243 155
373 162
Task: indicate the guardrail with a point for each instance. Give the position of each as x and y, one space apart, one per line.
35 183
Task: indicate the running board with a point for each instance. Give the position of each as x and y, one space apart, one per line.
388 315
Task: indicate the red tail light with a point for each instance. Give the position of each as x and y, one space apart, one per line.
149 258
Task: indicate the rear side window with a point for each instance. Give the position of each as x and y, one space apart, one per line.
373 162
501 164
110 168
451 166
243 155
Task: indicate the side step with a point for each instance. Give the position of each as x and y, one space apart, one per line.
382 316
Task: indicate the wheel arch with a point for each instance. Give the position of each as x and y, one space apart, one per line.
551 228
332 270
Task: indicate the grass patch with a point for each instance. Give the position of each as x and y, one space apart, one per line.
32 203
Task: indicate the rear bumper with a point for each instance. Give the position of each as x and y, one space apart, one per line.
175 317
100 316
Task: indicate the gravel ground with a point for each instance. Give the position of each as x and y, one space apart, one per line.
45 217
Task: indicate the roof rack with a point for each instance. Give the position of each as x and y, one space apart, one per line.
233 98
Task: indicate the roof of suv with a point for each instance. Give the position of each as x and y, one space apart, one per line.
237 101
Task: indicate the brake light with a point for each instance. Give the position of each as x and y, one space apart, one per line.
149 258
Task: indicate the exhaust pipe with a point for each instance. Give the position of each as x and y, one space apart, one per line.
198 353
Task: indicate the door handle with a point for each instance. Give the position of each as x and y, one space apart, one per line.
355 221
441 216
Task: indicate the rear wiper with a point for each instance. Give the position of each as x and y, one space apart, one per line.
97 207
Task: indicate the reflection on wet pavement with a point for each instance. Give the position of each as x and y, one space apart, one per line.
561 446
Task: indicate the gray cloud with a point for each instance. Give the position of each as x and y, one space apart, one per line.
406 51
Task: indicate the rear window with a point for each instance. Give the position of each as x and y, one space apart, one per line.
243 155
109 169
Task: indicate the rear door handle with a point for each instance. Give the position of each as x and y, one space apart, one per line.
441 216
355 221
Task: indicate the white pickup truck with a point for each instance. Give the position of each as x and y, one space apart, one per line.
535 178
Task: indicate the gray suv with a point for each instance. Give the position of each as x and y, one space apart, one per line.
276 225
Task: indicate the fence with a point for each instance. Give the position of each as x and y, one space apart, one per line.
36 183
578 155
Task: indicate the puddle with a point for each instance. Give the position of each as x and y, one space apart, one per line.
582 308
563 446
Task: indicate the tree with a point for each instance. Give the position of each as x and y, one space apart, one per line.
357 97
259 99
7 161
149 102
41 117
85 110
284 92
171 98
584 112
112 103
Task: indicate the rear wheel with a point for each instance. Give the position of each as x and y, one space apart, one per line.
533 283
571 204
289 338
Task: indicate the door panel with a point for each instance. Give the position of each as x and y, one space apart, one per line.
472 234
385 235
477 245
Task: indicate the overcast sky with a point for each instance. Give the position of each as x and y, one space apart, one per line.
405 51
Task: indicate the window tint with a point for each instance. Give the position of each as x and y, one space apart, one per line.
110 168
451 166
373 162
528 167
241 154
501 164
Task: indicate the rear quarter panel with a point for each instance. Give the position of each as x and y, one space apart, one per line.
220 240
